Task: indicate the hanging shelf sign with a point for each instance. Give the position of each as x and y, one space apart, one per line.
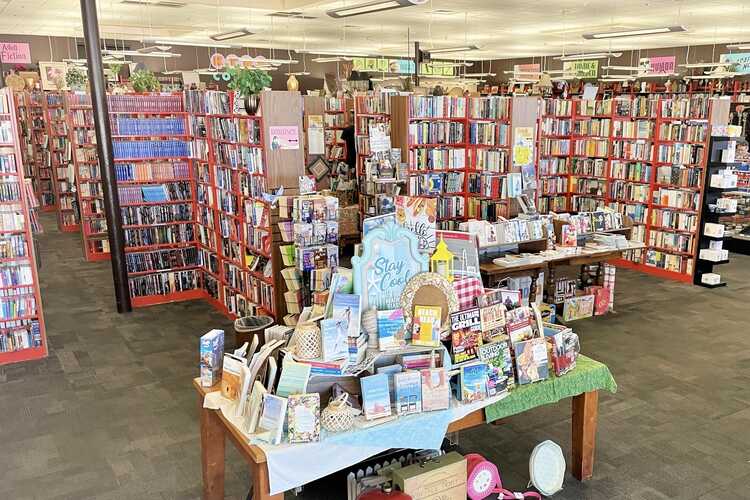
390 258
662 65
741 62
581 69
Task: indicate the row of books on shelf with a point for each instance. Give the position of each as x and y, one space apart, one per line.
668 261
679 176
676 198
156 214
580 203
594 221
485 209
82 117
591 147
178 232
379 103
437 107
628 191
145 103
437 158
589 166
12 275
6 132
13 246
122 125
10 190
21 304
586 185
155 193
489 133
553 166
235 129
18 335
632 171
150 149
594 126
436 183
451 207
247 158
674 220
207 102
490 108
163 283
506 232
669 240
432 132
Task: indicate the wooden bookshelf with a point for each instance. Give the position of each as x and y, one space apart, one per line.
63 173
553 155
89 191
335 120
22 330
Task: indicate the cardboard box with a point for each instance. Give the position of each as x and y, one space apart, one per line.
443 478
211 356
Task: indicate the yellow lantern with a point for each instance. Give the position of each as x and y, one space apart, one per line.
441 261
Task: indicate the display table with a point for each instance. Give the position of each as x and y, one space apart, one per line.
582 384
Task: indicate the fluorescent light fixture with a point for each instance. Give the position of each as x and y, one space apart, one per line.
522 81
135 53
372 7
279 61
715 76
477 75
655 75
623 68
593 55
230 35
636 32
535 73
324 52
703 65
446 50
331 59
739 46
185 43
154 48
298 73
613 79
440 64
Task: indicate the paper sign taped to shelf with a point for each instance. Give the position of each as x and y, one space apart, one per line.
284 137
315 135
581 69
15 53
523 145
741 62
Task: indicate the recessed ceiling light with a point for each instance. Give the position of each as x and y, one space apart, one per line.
372 7
446 50
443 12
229 35
290 14
636 32
593 55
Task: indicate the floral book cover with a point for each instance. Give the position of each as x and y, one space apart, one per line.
303 415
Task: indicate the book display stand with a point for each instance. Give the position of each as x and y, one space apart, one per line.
22 333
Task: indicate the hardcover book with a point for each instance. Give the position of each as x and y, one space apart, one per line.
473 382
408 389
435 389
466 335
531 360
376 400
304 418
426 328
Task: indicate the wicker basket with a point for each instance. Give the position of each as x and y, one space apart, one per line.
338 416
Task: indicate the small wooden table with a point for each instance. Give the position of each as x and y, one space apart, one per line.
215 428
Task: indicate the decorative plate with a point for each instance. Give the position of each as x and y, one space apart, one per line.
429 289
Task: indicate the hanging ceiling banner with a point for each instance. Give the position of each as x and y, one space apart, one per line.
581 69
741 62
660 65
526 71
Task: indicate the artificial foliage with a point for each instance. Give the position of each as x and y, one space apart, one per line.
248 81
144 80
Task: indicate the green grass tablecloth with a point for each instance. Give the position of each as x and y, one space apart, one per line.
588 375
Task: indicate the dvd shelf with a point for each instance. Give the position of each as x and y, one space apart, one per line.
22 332
60 159
87 176
42 159
157 197
378 176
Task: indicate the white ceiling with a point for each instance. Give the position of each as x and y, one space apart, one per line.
501 28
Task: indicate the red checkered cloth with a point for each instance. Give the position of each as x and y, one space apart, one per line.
467 289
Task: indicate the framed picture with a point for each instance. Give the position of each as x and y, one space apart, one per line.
52 74
319 168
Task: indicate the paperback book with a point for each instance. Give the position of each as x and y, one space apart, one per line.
390 329
466 335
346 308
408 391
531 360
473 382
376 401
426 329
499 362
271 424
435 389
304 418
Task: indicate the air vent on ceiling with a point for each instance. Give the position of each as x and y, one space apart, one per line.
155 3
292 14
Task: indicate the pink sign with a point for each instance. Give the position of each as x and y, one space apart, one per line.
526 71
284 137
662 64
15 53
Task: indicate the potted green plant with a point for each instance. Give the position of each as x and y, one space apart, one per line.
249 83
76 78
144 80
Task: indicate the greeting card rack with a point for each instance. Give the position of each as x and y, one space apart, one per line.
88 179
22 332
156 188
42 158
68 219
369 110
335 118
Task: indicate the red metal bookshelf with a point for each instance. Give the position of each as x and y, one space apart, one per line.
553 155
42 158
22 332
369 109
63 172
87 176
334 121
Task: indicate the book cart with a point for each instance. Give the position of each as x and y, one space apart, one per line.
642 157
68 220
22 332
88 179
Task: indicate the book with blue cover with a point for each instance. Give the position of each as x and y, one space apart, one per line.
333 339
473 382
408 392
376 400
346 308
390 329
154 194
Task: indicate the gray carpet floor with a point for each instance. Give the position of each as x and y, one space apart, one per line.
111 414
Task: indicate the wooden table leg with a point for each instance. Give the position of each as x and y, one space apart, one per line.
212 453
585 413
261 485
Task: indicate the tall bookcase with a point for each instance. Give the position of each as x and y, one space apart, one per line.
368 110
63 173
23 112
157 195
42 157
553 155
22 332
335 117
88 179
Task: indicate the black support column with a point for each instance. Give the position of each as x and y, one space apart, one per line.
106 157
